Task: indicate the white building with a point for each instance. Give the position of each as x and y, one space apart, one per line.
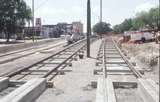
45 32
77 27
61 29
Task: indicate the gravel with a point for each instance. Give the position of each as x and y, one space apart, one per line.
146 57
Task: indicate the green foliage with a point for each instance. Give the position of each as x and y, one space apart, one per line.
126 25
141 20
13 16
102 28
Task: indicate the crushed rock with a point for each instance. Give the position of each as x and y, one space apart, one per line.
145 55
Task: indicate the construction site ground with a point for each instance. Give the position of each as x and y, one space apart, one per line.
75 85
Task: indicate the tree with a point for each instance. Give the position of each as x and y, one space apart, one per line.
117 29
154 17
14 14
126 25
102 28
140 21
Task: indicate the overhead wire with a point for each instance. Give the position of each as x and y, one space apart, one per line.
42 4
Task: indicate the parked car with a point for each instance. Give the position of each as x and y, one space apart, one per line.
71 38
75 37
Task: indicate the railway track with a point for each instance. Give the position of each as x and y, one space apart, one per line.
121 81
114 61
5 58
49 67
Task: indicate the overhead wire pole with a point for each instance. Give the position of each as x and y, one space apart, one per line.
101 11
33 20
159 18
88 27
101 16
158 31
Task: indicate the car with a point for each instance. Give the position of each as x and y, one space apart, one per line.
141 36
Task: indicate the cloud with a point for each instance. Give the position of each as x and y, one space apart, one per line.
95 9
51 15
144 7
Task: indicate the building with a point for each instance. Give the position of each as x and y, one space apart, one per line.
77 27
50 31
36 31
30 31
38 26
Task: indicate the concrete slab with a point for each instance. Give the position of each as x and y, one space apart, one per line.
110 91
111 51
122 78
117 65
113 55
115 60
7 86
105 91
27 92
101 90
120 68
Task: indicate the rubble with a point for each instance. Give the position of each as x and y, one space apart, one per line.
146 56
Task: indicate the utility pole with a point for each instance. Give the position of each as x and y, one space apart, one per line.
101 16
33 20
159 43
101 11
159 17
88 27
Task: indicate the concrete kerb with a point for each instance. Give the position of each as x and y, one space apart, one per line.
110 91
105 91
28 92
4 82
145 87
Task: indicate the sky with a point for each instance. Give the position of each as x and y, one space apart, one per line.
114 11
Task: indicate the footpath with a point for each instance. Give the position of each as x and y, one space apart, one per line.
5 48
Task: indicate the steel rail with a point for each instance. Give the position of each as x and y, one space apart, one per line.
63 62
104 69
104 59
136 72
99 55
20 70
62 67
18 57
30 48
100 51
81 46
49 72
